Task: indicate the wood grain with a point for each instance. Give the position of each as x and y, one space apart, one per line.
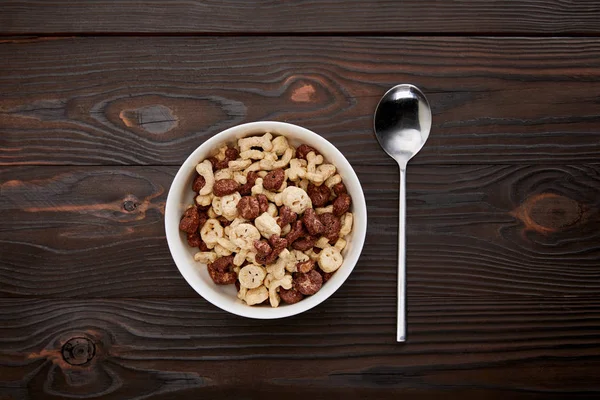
482 230
520 348
330 16
152 100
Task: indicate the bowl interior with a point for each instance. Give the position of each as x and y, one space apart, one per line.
181 195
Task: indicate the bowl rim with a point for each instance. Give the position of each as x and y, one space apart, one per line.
173 234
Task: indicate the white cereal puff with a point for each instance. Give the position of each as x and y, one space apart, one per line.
296 199
285 282
347 220
244 235
312 161
216 205
211 232
256 296
263 142
240 257
340 244
312 255
258 187
224 173
280 145
322 243
253 167
324 210
222 251
252 155
229 205
300 256
277 270
285 159
227 244
268 279
239 165
205 170
211 213
267 225
330 259
333 180
297 169
239 177
326 171
252 276
205 257
205 200
321 174
272 210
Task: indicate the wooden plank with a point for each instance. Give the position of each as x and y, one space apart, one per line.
153 100
330 16
519 348
472 230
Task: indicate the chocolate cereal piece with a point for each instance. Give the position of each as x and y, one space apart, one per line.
319 195
339 188
332 226
263 203
231 154
262 247
224 221
202 218
198 183
218 164
341 204
296 232
222 278
312 222
246 188
277 244
219 271
221 264
303 150
190 221
305 243
325 275
194 239
290 296
223 187
286 216
274 179
309 283
203 246
248 207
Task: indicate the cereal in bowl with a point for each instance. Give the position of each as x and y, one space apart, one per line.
269 218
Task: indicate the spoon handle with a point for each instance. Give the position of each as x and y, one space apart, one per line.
401 321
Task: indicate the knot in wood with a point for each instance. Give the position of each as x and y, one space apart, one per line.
78 351
548 213
555 212
129 205
155 118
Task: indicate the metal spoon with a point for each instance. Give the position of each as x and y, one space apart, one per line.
402 125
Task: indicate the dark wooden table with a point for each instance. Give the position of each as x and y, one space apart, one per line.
100 101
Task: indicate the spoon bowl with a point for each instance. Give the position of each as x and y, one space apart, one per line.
402 124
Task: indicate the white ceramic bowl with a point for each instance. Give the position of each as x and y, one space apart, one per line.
181 195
